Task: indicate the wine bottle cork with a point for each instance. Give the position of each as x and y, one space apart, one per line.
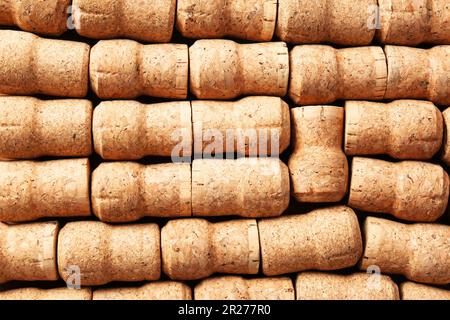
416 291
250 20
318 166
238 288
324 239
147 20
28 252
195 248
99 253
403 129
165 290
409 190
321 74
32 65
127 69
415 73
128 191
224 69
32 128
48 294
445 156
30 190
345 22
248 187
420 252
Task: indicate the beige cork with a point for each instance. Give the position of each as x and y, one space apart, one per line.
357 286
408 190
128 191
318 166
321 74
32 65
415 73
30 190
28 252
421 252
245 19
324 239
445 156
103 253
129 130
224 69
127 69
248 187
345 22
46 294
403 129
416 291
146 20
195 248
165 290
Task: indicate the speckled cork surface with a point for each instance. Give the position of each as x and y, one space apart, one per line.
445 156
164 290
417 291
46 294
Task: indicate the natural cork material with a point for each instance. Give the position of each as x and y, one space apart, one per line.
245 19
146 20
128 191
195 248
30 190
224 69
28 252
105 253
238 288
318 166
416 291
165 290
32 128
403 129
46 294
408 190
32 65
324 239
321 74
126 69
421 252
445 156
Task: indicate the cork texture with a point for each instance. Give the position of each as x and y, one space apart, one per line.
165 290
445 156
416 291
46 294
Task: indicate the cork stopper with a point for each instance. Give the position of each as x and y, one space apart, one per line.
48 294
445 156
416 291
165 290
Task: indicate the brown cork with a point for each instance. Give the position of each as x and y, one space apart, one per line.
195 248
248 187
416 291
418 73
224 69
127 69
30 190
318 166
32 65
321 74
324 239
48 294
408 190
165 290
32 128
421 251
105 253
245 19
238 288
146 20
445 156
403 129
28 252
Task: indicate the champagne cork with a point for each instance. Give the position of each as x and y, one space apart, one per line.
324 239
224 69
102 253
129 130
28 252
195 248
445 156
318 166
409 190
248 187
420 252
418 73
127 69
321 74
32 65
165 290
238 288
32 128
30 190
416 291
403 129
146 20
245 19
345 22
49 294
